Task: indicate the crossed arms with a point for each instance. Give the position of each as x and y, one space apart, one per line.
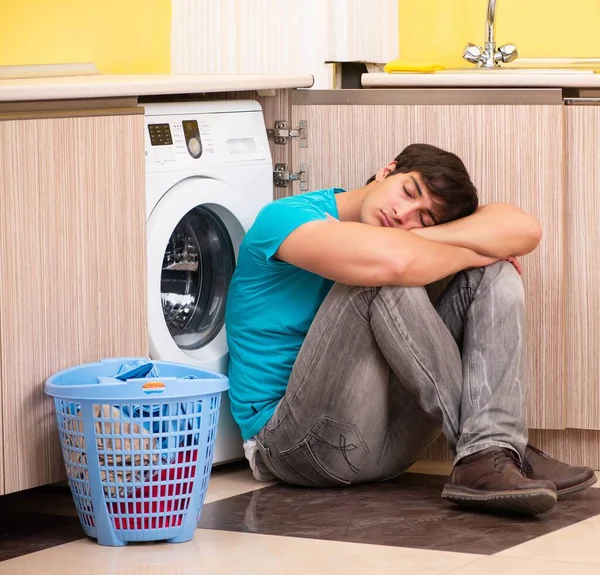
359 254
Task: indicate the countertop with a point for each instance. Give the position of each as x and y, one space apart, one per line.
116 86
482 79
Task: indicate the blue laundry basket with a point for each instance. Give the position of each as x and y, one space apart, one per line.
139 452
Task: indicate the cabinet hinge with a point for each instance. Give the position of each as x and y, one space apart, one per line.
281 176
281 134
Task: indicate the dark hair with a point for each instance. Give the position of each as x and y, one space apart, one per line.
453 194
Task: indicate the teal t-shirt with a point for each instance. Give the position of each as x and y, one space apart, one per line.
270 307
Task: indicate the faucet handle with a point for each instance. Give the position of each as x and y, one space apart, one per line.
507 53
473 53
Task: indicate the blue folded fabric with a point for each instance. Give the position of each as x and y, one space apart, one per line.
137 370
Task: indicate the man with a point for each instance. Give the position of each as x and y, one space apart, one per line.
341 369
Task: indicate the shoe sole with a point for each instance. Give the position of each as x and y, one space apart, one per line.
577 488
530 502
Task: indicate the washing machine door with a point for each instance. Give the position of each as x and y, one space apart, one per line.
193 241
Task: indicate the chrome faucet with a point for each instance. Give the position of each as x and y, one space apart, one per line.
488 56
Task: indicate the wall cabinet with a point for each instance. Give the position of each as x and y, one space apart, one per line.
72 267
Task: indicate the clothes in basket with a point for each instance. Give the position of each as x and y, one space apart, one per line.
164 434
112 453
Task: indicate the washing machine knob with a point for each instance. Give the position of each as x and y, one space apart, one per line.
194 147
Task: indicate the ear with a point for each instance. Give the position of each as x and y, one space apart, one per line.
385 171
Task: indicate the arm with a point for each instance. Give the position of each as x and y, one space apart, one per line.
359 254
495 230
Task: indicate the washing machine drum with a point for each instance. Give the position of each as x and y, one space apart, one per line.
194 234
197 267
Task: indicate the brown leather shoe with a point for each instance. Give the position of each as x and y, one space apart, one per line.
568 479
492 480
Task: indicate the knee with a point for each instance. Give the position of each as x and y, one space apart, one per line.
504 280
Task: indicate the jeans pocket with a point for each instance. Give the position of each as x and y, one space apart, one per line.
330 455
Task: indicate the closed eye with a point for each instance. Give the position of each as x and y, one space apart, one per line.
408 193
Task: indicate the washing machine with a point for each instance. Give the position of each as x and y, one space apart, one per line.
208 174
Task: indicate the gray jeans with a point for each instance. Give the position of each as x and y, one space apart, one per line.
382 373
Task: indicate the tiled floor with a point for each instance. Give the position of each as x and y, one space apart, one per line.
249 528
406 512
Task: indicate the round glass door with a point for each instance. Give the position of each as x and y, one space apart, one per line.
197 267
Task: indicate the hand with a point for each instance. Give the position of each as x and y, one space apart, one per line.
515 262
484 261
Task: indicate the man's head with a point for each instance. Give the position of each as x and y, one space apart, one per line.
423 186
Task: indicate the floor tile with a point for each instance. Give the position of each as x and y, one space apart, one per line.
230 480
50 499
510 566
22 533
578 544
406 512
222 553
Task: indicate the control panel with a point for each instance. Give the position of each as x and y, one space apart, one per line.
182 138
196 141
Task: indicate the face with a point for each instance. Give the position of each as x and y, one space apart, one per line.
399 201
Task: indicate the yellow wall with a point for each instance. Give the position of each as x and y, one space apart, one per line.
119 36
439 29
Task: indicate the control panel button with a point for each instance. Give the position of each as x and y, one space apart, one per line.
194 147
191 134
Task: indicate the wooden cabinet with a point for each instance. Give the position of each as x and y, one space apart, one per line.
72 267
72 244
515 154
582 194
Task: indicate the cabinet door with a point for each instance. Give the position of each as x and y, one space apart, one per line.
514 153
583 266
72 271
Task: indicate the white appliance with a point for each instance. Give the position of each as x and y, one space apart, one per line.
208 174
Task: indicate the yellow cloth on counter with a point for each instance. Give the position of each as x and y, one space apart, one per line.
399 65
